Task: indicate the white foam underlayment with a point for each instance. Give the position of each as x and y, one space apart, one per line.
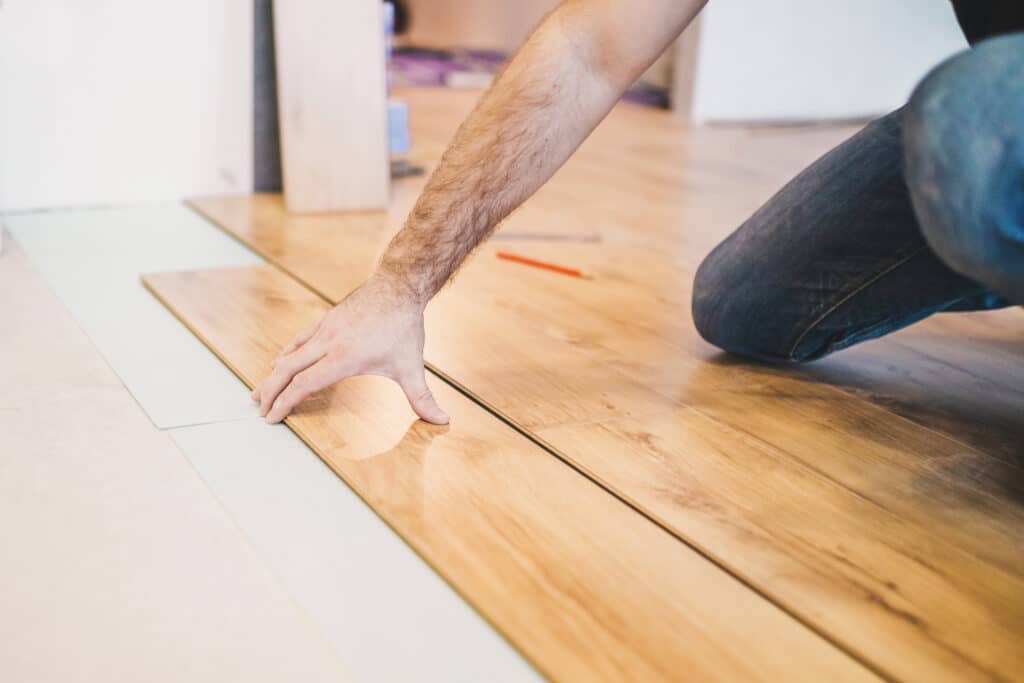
385 612
92 259
389 617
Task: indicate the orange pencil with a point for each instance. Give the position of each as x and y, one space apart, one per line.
564 270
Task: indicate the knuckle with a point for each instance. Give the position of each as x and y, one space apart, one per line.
288 401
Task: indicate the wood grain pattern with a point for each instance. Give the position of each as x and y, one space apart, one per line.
587 588
332 104
879 494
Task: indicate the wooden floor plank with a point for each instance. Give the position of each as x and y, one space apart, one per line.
584 586
596 369
921 567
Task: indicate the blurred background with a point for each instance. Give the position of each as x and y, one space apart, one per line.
115 101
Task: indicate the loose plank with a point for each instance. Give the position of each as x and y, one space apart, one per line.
332 104
583 585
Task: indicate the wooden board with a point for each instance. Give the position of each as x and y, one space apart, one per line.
331 89
584 586
852 492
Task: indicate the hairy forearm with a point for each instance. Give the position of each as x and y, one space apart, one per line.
538 111
551 95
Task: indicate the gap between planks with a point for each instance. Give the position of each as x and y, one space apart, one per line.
719 562
700 541
200 314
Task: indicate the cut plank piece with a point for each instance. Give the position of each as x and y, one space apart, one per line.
922 549
584 586
332 104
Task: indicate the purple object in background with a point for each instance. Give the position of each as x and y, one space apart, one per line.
429 67
425 66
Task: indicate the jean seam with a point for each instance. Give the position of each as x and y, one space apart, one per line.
860 288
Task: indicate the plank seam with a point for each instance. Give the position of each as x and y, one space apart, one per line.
543 445
483 613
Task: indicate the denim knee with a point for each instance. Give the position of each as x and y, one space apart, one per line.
964 162
725 306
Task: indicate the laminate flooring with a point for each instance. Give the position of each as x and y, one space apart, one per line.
877 496
586 587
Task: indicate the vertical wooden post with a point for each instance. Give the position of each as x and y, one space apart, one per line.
331 88
684 72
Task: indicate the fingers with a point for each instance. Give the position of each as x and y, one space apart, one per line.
320 374
422 401
284 370
309 381
300 339
296 342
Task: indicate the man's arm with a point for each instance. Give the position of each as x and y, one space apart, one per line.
551 95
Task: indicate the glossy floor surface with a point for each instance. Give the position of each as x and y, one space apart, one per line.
584 585
877 496
614 499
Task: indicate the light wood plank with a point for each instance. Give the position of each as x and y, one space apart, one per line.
923 508
332 104
948 564
584 586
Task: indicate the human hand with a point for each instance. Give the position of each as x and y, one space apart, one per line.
375 330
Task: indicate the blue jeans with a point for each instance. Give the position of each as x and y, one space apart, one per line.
922 211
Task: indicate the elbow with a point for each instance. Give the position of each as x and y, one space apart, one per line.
617 42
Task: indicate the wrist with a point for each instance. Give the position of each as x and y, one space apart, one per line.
396 285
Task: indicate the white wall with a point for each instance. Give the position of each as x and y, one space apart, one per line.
813 59
112 101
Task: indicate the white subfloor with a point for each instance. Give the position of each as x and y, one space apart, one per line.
386 615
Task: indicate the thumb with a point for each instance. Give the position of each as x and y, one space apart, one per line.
422 401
